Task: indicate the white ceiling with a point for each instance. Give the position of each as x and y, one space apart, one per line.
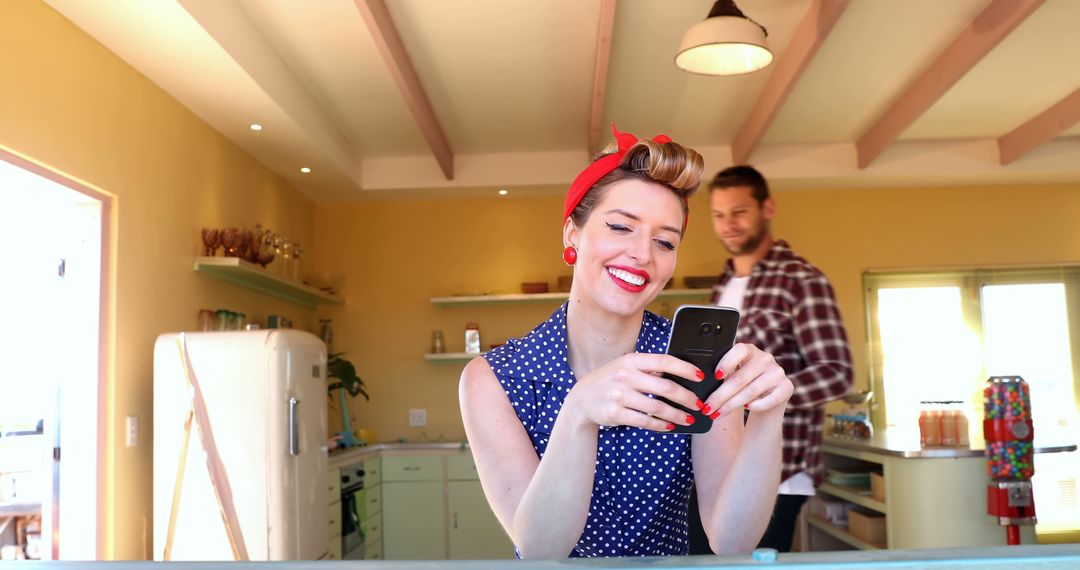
510 83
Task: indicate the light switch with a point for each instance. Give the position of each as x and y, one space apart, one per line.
417 417
131 431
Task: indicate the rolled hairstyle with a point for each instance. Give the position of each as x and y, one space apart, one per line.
669 164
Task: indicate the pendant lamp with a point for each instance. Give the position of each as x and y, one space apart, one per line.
725 43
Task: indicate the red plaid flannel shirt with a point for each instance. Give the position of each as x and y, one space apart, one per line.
790 312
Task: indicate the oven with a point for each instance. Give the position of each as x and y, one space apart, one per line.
352 497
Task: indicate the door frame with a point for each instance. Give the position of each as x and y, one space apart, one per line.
105 322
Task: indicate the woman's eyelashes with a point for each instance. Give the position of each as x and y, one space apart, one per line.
623 229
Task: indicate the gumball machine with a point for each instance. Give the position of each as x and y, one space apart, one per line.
1010 453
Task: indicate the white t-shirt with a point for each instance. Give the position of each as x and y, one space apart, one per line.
732 296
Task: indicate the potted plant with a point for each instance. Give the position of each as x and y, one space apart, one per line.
342 378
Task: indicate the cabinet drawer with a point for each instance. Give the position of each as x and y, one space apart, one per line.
333 486
335 520
373 552
372 501
412 468
372 529
335 549
372 472
461 467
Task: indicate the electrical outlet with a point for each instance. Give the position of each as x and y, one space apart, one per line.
417 417
131 438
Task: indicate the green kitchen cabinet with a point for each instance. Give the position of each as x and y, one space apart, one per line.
475 533
414 524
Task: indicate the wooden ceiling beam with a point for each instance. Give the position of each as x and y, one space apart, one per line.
805 42
604 32
992 25
1040 129
388 40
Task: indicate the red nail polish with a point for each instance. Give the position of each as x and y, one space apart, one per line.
715 414
700 375
706 409
670 427
699 404
719 374
746 406
689 419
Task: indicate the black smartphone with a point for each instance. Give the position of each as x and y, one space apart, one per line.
700 335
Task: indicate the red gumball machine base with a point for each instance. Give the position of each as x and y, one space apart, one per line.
1010 464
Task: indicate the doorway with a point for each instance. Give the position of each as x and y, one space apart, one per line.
54 252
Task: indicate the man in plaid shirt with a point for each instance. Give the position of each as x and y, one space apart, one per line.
787 309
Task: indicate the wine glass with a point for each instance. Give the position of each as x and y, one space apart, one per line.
230 238
211 238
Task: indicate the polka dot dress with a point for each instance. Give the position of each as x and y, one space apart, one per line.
642 481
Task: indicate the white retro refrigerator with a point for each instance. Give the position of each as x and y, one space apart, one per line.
251 407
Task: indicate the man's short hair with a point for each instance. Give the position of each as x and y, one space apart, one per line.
742 175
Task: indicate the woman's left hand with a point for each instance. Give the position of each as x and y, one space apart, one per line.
753 379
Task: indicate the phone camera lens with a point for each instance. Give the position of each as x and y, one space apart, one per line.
705 329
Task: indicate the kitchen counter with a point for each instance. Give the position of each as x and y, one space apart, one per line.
342 457
905 443
1045 556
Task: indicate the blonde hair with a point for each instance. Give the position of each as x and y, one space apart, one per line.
668 164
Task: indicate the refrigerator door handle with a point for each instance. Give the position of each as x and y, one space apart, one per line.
294 434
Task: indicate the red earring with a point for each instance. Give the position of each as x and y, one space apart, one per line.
569 255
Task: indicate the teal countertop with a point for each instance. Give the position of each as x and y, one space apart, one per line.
341 457
1026 557
905 443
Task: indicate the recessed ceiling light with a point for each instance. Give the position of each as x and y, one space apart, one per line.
305 169
503 192
255 127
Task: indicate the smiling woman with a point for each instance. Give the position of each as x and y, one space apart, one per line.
575 454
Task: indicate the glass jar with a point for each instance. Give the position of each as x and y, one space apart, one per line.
326 333
294 269
472 338
286 258
438 346
206 320
237 321
221 320
948 423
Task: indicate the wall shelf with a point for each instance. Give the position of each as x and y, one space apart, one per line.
246 274
540 297
447 357
839 533
853 495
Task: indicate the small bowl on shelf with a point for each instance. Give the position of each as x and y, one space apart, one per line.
533 288
699 281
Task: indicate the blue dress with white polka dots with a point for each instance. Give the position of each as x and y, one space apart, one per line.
642 481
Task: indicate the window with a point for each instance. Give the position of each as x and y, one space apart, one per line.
940 335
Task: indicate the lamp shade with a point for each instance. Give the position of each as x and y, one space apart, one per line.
723 45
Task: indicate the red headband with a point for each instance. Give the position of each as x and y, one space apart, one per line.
601 167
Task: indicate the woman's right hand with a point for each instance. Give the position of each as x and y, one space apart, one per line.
616 393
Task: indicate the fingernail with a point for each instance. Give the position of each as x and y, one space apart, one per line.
715 414
689 419
719 374
699 405
670 427
706 409
746 406
700 375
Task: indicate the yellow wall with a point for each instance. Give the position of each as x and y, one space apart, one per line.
70 104
396 254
